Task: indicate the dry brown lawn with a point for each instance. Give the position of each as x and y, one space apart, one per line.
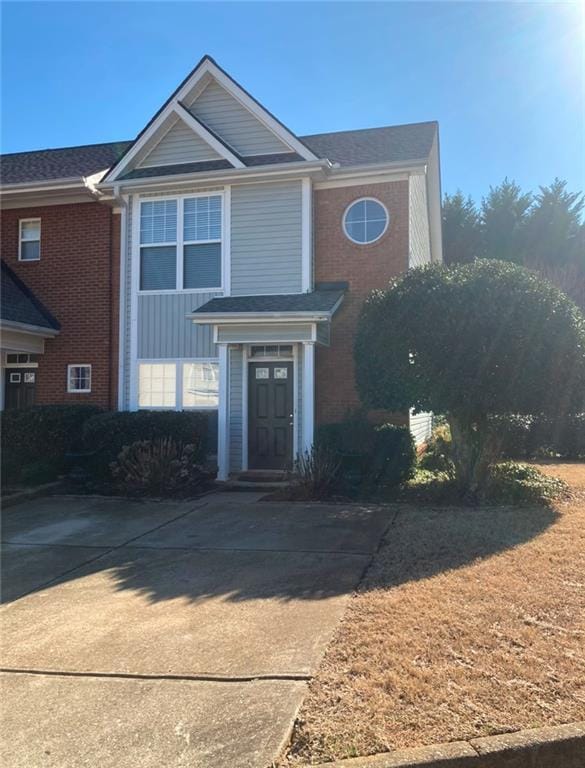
468 623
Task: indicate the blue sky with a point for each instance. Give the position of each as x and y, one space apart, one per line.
505 80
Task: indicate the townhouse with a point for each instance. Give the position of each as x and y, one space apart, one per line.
217 262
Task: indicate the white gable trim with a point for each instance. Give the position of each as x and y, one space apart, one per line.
173 108
202 131
208 67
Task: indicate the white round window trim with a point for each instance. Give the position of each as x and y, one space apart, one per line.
360 200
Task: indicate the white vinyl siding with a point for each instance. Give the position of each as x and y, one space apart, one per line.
421 426
232 122
165 331
266 240
418 222
179 145
235 409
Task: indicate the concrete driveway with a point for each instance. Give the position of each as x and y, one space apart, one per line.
168 634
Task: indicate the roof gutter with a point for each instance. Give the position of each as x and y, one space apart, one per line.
71 183
36 330
227 318
300 168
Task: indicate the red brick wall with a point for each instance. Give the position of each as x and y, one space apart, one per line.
364 267
77 280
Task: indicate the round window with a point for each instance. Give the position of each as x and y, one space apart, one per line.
365 220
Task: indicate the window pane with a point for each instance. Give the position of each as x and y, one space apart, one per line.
365 221
374 229
374 210
30 230
202 218
357 231
80 378
158 268
200 385
30 251
157 384
202 266
158 222
357 212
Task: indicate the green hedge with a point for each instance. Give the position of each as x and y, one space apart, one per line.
35 440
525 437
106 434
369 455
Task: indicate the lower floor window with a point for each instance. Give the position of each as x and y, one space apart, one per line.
178 385
79 378
157 385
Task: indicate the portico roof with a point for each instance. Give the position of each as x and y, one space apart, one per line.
317 305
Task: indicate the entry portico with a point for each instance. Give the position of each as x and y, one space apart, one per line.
266 347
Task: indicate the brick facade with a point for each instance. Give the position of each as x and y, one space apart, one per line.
77 278
364 267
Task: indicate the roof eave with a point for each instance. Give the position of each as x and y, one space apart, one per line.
297 168
227 318
36 330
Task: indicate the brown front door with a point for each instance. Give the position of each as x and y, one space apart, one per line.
270 415
20 387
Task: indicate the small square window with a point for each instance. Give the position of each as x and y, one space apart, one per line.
79 378
29 245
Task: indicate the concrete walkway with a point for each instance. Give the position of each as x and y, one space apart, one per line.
168 634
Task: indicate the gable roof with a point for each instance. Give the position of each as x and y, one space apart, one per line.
20 305
394 143
207 69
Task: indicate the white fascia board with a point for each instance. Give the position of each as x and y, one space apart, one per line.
72 182
176 109
228 176
238 93
35 330
231 318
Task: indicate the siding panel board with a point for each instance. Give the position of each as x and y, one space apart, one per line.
179 145
234 123
164 331
418 223
266 238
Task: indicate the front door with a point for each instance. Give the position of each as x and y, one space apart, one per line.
20 387
270 415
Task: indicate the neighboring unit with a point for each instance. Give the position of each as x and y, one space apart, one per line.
220 263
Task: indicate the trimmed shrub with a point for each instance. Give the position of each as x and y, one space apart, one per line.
514 483
368 454
157 467
107 434
394 455
35 440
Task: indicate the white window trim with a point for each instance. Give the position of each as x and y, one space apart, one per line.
179 243
78 391
20 239
359 200
178 362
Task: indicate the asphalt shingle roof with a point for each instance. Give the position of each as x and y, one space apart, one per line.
20 305
397 143
394 143
316 301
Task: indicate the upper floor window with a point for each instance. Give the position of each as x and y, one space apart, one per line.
365 220
29 245
186 256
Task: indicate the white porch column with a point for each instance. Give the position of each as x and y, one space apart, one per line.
308 394
222 416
